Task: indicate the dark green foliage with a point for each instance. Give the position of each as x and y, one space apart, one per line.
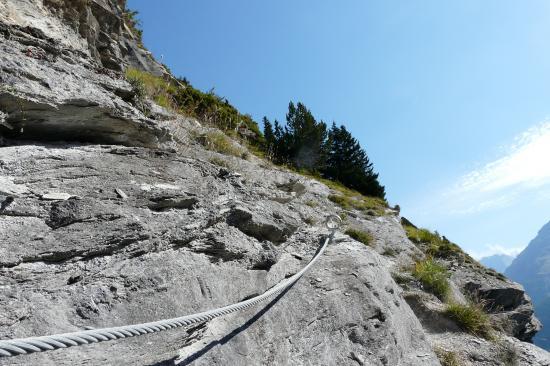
306 144
304 138
349 164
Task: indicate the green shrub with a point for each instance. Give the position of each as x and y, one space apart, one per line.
180 97
471 318
360 236
434 277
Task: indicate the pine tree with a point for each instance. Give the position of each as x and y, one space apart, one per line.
305 137
305 143
349 164
269 138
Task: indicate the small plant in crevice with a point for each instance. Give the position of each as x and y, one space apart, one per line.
447 358
434 277
507 354
361 236
472 318
217 141
139 95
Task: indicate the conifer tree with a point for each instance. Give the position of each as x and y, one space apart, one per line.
305 137
349 164
269 138
305 143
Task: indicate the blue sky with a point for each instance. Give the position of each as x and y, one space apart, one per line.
448 98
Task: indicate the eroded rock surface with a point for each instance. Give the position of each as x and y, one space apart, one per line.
97 259
100 235
63 80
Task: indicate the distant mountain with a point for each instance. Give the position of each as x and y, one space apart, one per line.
498 262
531 268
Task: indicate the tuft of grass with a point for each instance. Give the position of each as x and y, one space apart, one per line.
420 235
154 87
179 96
360 236
436 246
219 142
345 197
310 221
434 278
371 205
471 318
508 355
447 358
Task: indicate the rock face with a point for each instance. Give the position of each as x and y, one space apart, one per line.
109 217
60 74
96 259
531 268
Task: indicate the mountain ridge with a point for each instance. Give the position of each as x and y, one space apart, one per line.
498 262
531 268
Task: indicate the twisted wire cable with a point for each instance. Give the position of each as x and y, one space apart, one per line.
21 346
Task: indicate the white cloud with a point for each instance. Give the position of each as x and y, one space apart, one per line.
493 249
525 166
527 163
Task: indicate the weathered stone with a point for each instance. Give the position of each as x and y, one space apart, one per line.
55 85
121 193
149 233
260 226
56 196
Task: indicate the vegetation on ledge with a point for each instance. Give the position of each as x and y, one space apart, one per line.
436 245
434 277
359 235
472 318
178 96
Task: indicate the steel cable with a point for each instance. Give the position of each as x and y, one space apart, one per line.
21 346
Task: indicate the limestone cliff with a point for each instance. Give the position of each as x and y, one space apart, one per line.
111 217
